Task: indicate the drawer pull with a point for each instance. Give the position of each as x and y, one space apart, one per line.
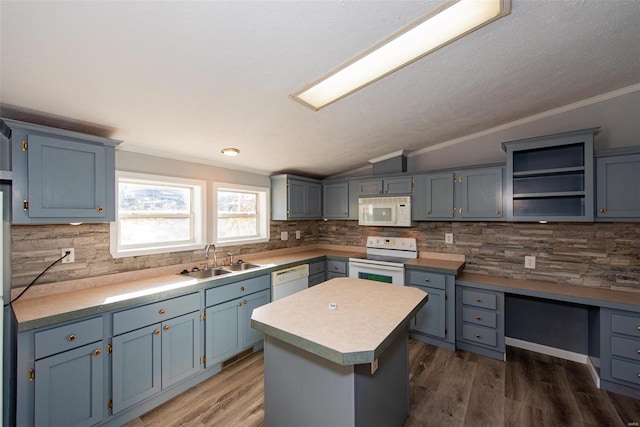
162 312
245 301
240 304
100 209
478 300
498 212
335 267
71 338
477 317
427 280
638 328
603 210
166 327
242 289
477 335
638 351
156 332
97 352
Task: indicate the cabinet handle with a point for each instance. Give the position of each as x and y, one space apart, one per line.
477 299
97 352
477 317
335 267
245 301
460 210
162 312
71 338
386 191
427 280
240 304
477 335
454 211
156 332
428 212
638 351
498 212
346 214
242 288
166 327
603 210
638 328
100 209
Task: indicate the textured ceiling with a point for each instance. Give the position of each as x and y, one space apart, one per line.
185 79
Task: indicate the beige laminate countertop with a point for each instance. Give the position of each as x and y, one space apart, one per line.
563 291
437 265
55 308
367 317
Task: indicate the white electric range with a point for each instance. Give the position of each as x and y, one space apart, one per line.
384 260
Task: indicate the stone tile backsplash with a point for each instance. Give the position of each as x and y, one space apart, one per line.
587 254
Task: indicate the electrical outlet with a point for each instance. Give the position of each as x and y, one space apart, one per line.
530 262
448 238
297 234
70 258
284 235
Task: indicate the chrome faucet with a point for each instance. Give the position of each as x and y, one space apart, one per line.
230 258
206 255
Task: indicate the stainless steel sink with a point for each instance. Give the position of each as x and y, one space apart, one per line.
203 274
241 267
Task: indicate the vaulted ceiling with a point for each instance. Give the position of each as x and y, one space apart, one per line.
186 79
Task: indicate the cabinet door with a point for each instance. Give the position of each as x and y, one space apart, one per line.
438 190
396 186
431 318
68 387
370 188
618 192
296 199
481 193
222 331
313 200
136 366
180 348
336 200
250 336
66 179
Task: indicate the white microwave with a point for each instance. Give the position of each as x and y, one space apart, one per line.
385 211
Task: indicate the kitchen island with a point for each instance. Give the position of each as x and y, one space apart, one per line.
337 354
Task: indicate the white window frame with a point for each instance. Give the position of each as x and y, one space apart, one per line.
263 213
198 232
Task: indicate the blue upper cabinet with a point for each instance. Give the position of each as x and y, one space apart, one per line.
336 200
433 197
618 188
294 197
386 187
550 178
60 176
480 193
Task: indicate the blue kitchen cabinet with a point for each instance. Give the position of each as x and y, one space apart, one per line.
617 189
317 273
480 193
228 317
433 199
392 186
620 351
435 322
336 200
336 268
60 176
550 178
180 348
294 197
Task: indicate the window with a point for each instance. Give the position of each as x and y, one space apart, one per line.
241 214
157 214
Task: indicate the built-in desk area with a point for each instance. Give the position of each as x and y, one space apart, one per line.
600 327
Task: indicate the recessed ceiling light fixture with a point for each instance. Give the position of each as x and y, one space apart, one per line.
446 23
231 152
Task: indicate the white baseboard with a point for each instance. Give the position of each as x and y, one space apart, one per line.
549 351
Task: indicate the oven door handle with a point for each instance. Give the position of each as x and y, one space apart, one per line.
374 266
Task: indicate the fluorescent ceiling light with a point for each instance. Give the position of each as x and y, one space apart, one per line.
448 22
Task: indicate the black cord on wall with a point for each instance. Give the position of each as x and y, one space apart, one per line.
66 254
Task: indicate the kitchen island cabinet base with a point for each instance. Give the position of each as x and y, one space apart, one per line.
301 388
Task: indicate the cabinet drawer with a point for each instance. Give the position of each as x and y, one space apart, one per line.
479 316
625 347
626 371
224 293
334 266
624 324
479 299
333 275
67 337
480 335
316 279
425 278
135 318
316 267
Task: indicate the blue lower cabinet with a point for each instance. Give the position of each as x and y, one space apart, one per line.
249 335
136 366
431 318
69 387
180 348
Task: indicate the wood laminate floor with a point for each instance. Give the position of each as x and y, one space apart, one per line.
446 389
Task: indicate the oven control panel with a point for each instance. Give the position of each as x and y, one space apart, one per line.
397 243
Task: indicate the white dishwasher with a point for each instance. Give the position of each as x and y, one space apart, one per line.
289 281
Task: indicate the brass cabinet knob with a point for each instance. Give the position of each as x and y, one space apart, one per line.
498 212
638 328
240 304
386 191
427 280
245 301
100 209
156 332
242 288
477 317
477 299
166 327
162 312
97 352
71 338
603 210
460 210
346 214
477 335
454 211
638 351
429 212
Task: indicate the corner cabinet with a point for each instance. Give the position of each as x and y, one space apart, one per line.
60 176
617 189
550 178
336 200
620 351
294 197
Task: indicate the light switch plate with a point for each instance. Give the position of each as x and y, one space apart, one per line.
530 262
297 234
448 238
